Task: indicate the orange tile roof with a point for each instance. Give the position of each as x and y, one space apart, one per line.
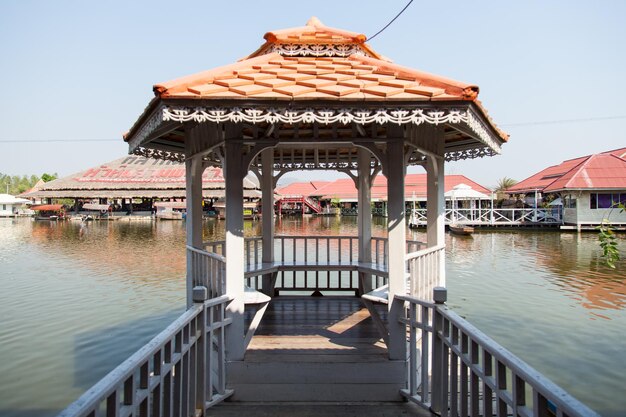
317 62
347 78
357 76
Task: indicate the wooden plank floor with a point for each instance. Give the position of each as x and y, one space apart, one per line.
374 409
319 328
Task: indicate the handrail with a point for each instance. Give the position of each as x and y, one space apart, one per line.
556 395
426 270
469 372
153 363
213 255
423 252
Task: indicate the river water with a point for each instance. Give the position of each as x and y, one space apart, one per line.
76 300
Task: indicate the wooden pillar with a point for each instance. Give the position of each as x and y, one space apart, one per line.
436 214
267 189
364 220
234 172
396 227
193 178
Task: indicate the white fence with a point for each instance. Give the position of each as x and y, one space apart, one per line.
456 370
493 217
181 372
426 271
317 263
207 270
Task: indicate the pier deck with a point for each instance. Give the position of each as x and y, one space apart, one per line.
323 349
303 328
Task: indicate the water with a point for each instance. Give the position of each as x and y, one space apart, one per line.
75 301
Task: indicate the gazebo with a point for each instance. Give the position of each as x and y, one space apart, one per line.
318 98
313 98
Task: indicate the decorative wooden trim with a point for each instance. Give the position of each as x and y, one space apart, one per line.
317 49
327 116
330 116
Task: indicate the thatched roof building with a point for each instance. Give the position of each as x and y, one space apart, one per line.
137 177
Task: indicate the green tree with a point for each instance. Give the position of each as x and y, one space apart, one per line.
504 184
49 177
16 184
608 241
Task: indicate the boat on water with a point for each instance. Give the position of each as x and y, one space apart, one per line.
170 210
461 230
250 210
49 212
96 212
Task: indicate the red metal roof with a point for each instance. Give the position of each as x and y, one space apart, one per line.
605 170
300 189
47 207
414 185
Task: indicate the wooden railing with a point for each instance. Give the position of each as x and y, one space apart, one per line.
181 372
208 270
457 370
425 271
307 256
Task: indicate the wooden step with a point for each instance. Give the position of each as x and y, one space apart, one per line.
316 409
307 380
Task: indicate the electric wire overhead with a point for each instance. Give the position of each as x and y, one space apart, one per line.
392 20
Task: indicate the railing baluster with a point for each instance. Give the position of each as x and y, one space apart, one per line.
487 375
454 373
413 350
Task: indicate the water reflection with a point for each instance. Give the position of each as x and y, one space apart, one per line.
77 298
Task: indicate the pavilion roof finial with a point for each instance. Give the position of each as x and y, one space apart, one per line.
315 39
314 21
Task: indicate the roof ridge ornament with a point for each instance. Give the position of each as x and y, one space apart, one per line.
315 39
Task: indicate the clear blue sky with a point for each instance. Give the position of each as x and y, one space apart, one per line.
77 70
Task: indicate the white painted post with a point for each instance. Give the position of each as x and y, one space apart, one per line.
234 172
435 222
193 177
396 226
364 186
267 188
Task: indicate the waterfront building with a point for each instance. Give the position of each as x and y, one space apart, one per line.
344 193
588 188
296 198
318 98
131 184
11 206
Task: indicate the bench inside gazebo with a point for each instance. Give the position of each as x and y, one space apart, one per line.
318 98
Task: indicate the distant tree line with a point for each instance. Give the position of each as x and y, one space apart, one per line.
16 185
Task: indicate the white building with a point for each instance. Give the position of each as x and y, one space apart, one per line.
11 206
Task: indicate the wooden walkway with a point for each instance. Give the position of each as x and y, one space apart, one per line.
316 349
303 328
316 356
373 409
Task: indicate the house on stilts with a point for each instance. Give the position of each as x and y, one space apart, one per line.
318 98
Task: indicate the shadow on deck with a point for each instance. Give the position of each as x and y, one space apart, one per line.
333 329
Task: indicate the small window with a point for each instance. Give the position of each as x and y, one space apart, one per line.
605 200
4 207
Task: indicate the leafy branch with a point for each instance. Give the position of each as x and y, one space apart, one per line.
608 240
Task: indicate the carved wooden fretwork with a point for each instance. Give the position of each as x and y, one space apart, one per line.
336 116
339 50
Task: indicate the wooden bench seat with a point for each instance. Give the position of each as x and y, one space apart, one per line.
254 270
